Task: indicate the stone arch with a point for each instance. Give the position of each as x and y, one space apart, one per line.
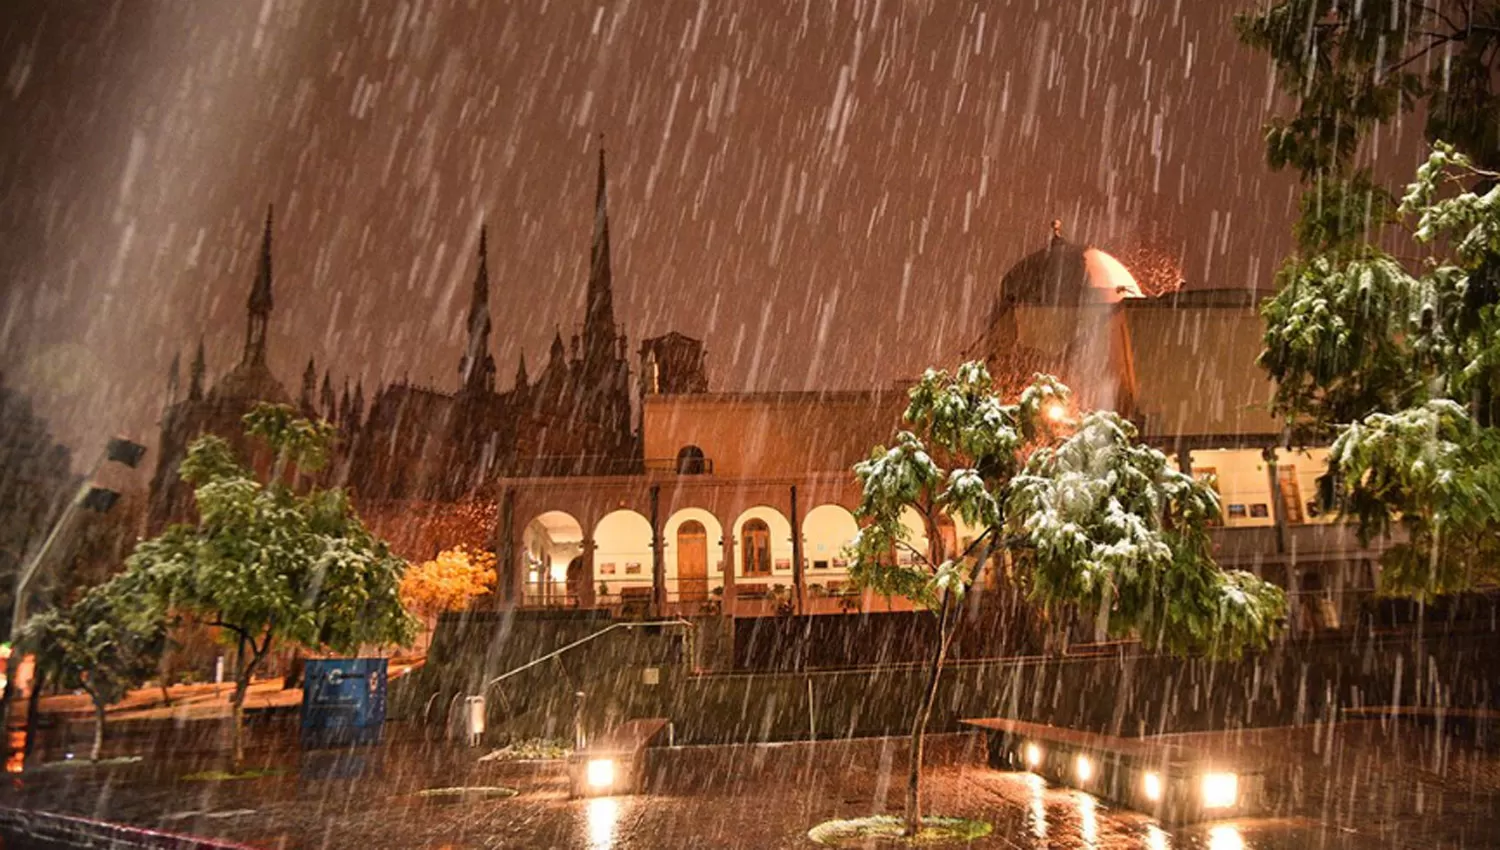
551 543
622 551
827 531
675 533
777 532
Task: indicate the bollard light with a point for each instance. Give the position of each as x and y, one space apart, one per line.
1033 755
1220 790
601 773
1151 785
1083 767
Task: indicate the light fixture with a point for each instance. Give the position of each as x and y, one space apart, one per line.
1056 412
1220 790
1033 756
601 773
1083 768
1151 785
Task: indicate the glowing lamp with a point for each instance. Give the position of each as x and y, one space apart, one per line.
601 773
1151 785
1033 756
1220 790
1083 768
1056 412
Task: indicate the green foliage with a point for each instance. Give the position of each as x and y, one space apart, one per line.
106 643
1100 520
267 563
1405 367
1351 65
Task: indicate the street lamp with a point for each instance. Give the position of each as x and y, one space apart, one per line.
99 499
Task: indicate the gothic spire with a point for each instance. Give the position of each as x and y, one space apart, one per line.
557 352
195 375
260 301
307 401
599 318
475 370
522 380
326 401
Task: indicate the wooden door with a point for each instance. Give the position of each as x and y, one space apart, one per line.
692 561
1291 494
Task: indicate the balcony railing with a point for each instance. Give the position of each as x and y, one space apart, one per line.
680 465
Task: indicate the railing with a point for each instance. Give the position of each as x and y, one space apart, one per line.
574 466
681 465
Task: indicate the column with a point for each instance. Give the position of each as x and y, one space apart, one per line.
799 571
587 597
726 543
658 562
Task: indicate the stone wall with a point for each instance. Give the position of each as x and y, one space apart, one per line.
1120 691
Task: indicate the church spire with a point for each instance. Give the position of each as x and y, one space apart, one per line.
174 377
476 370
523 381
599 318
260 302
307 401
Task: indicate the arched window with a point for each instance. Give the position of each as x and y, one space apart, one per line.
690 461
755 543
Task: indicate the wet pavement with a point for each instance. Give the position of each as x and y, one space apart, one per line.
1354 785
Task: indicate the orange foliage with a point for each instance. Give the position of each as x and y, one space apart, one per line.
448 582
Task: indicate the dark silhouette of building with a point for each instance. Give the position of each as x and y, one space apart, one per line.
426 443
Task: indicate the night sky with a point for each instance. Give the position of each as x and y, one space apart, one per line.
827 193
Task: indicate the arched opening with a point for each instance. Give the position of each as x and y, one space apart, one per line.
827 531
914 549
691 461
552 541
769 547
688 579
755 548
622 555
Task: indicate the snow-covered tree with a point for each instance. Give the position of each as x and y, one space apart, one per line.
105 643
1403 365
1092 520
268 564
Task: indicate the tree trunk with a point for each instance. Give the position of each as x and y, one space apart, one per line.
919 723
98 731
33 708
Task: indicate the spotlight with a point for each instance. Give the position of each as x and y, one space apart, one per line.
601 773
1083 768
1220 790
1152 786
1033 756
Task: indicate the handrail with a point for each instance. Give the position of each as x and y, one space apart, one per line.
577 643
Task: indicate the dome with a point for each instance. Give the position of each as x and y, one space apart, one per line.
1065 274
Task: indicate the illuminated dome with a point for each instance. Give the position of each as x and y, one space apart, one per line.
1064 274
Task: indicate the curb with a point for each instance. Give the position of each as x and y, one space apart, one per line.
71 831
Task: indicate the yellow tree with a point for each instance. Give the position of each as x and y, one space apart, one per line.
448 582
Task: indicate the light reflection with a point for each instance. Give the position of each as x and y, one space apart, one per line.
1088 819
1038 805
1156 839
603 817
17 761
1225 837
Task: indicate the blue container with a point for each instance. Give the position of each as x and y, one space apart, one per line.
343 702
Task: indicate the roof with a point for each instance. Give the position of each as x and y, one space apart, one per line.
251 381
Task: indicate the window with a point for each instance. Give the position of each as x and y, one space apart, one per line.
755 544
690 461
